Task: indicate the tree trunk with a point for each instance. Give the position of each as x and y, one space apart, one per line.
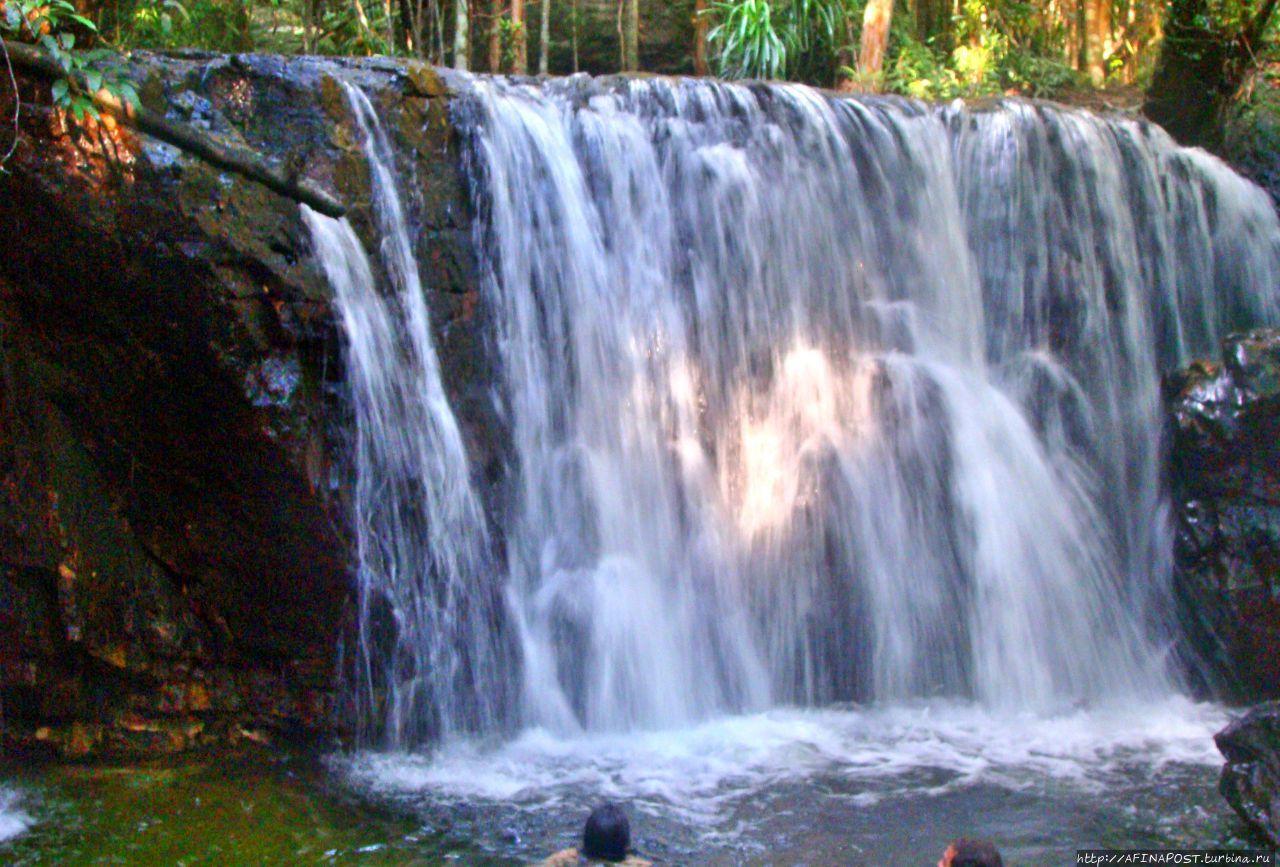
544 39
1068 12
573 18
875 39
389 14
461 35
700 28
1097 38
519 44
629 30
365 29
308 26
404 19
495 36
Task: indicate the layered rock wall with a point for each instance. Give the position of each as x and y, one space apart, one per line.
1225 475
173 559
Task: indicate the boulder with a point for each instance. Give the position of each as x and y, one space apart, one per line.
1225 477
1251 777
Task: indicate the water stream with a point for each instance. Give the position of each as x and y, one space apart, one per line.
429 649
836 521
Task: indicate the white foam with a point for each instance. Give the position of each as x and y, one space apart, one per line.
13 820
699 773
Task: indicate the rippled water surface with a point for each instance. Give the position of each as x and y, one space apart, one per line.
882 786
876 787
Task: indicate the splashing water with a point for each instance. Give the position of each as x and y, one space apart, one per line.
13 819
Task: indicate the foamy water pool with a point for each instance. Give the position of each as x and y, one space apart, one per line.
850 786
13 819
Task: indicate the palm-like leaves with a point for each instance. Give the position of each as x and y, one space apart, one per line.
762 38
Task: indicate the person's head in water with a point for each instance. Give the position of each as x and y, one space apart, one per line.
971 853
607 836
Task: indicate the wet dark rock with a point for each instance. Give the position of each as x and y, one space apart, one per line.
174 568
1225 474
1251 777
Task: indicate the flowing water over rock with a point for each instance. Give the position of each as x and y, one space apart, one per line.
812 402
428 650
824 400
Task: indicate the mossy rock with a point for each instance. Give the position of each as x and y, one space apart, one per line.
333 101
425 81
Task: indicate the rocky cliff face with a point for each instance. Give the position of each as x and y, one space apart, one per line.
1225 473
174 568
173 563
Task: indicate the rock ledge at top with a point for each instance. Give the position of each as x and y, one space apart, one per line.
174 568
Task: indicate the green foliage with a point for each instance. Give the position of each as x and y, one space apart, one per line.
916 70
1038 76
1251 136
51 24
795 39
169 24
990 47
985 61
746 42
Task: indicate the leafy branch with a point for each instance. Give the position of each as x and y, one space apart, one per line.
49 24
239 160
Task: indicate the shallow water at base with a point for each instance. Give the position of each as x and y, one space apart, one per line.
255 809
886 786
882 787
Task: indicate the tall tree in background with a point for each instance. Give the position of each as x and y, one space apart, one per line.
573 33
875 41
544 38
519 39
629 33
496 8
461 32
1097 39
700 27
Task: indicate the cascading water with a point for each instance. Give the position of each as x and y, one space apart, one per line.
820 400
429 650
811 401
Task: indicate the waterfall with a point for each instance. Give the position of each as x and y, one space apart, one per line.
818 400
429 650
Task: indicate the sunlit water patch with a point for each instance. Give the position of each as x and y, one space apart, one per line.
14 820
854 786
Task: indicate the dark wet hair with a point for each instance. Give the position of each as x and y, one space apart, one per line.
607 836
974 853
